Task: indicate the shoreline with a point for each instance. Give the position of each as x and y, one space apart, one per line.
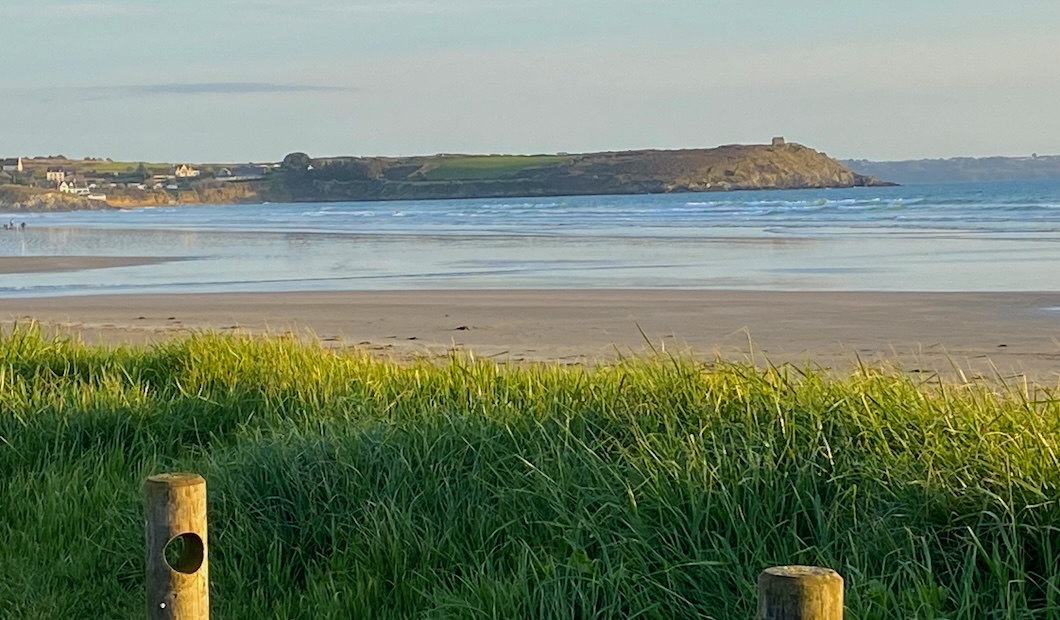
982 335
9 209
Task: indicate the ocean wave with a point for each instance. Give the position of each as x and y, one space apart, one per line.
886 209
331 213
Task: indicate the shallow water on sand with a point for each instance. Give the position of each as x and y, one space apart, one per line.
969 237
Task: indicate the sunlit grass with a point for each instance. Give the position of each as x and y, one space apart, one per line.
343 486
473 167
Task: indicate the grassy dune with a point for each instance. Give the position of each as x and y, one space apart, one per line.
342 486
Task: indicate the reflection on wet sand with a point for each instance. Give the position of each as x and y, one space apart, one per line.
46 264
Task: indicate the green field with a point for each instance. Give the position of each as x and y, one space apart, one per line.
472 167
101 166
104 167
347 487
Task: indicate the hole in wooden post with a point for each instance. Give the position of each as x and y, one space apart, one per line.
184 553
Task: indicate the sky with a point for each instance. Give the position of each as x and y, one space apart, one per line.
252 80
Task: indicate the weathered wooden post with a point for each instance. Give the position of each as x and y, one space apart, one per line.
178 584
800 593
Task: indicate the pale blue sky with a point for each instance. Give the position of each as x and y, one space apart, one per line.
240 80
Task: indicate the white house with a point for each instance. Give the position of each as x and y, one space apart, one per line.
185 171
11 164
73 187
56 174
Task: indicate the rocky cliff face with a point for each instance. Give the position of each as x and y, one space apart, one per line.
18 200
736 167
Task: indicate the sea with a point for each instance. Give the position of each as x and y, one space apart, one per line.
960 237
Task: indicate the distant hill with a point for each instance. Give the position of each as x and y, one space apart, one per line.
961 169
302 178
732 167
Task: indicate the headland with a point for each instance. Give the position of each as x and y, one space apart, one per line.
58 183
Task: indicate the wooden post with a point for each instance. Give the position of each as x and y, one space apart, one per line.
800 593
178 585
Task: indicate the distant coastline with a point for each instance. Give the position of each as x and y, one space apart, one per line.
961 169
56 183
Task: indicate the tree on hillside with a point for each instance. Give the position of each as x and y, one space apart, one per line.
294 177
143 172
296 162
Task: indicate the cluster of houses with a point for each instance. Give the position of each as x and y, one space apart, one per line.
183 174
92 184
70 184
249 172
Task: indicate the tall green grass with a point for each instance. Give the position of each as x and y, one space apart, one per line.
342 486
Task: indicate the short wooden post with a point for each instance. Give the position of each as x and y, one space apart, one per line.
800 593
178 586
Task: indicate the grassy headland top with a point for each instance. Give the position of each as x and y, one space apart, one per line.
778 166
300 177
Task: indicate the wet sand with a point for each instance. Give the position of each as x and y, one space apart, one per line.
1011 335
45 264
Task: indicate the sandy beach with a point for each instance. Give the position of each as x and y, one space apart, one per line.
983 334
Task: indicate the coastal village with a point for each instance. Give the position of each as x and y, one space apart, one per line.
123 183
